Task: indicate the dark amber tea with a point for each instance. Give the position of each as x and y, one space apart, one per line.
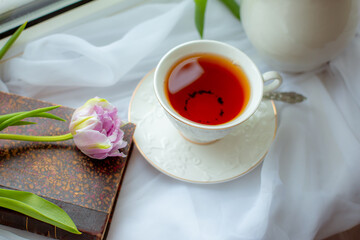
207 89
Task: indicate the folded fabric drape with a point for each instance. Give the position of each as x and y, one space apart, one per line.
307 186
6 235
72 61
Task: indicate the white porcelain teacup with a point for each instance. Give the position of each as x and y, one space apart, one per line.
198 132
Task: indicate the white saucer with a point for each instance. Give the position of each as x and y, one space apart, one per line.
165 149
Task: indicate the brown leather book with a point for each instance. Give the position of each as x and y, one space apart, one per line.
85 188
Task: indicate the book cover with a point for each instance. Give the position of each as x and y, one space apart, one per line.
85 188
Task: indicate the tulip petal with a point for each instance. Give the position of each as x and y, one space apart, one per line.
96 129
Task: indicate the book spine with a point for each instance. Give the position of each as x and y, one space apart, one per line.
17 220
20 221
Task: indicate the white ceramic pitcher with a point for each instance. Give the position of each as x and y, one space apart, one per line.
299 35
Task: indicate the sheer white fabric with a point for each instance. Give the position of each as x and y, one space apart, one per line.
307 186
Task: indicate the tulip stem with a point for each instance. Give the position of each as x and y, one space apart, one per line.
36 138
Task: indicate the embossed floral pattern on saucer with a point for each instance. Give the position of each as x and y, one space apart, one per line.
165 149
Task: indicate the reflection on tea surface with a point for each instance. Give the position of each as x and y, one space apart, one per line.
207 89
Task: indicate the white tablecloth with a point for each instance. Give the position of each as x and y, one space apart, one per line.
308 184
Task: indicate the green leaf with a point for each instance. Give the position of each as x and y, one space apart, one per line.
49 115
233 6
200 7
57 138
21 123
44 115
36 207
7 116
20 116
11 40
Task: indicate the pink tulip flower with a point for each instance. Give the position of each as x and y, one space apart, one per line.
95 127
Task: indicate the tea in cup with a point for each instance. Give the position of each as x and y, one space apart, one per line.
208 87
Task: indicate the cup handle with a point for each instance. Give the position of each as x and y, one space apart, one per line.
275 79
